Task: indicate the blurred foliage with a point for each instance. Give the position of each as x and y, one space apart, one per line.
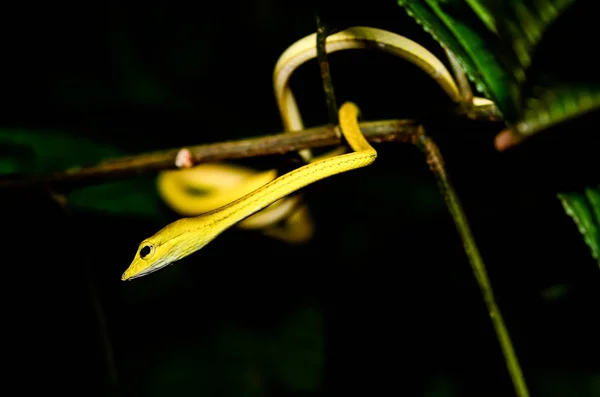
29 151
144 79
291 357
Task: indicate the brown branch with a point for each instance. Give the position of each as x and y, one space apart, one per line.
127 167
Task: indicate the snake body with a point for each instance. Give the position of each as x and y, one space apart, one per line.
206 187
187 235
218 196
239 195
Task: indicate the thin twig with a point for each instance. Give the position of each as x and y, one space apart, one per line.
461 78
332 108
436 164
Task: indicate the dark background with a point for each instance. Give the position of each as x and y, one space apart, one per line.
381 301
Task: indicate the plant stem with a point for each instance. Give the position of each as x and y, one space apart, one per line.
435 161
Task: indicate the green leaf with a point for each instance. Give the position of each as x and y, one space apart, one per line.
28 151
135 197
485 12
522 23
584 208
478 49
557 104
495 44
432 24
548 99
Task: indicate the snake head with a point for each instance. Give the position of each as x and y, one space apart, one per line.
169 245
150 257
154 253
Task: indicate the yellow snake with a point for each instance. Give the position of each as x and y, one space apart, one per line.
206 187
186 236
254 199
212 190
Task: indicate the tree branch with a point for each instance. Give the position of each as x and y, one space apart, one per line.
126 167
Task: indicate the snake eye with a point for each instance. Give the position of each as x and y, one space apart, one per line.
145 251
